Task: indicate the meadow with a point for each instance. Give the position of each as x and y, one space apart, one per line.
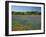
26 21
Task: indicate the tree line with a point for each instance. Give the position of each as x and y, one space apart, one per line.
26 13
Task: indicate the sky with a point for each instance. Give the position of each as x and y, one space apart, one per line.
25 8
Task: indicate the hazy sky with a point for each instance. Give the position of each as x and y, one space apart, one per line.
25 8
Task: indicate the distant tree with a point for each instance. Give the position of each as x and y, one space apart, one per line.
26 13
40 13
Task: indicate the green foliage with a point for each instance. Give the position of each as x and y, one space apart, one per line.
26 13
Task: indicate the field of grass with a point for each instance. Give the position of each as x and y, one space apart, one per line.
19 27
25 22
19 17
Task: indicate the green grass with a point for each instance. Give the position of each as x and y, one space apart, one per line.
19 27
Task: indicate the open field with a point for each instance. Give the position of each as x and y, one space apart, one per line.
26 22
